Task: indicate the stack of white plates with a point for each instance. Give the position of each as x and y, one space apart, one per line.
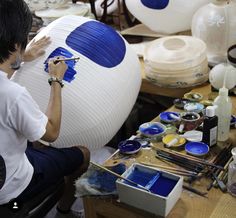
51 14
176 61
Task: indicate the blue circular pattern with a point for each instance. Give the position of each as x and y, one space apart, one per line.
155 4
98 42
197 148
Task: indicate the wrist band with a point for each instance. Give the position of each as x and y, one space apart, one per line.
54 79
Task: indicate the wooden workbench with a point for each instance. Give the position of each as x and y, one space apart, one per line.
216 205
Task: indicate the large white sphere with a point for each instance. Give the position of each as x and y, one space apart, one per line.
100 89
223 72
165 16
215 24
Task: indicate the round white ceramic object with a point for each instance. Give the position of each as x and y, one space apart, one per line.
222 72
98 98
176 61
165 16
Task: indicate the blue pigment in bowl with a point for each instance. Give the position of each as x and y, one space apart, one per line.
197 148
152 129
129 146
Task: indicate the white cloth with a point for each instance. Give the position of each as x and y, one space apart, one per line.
20 120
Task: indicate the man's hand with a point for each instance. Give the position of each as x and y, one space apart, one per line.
35 49
57 69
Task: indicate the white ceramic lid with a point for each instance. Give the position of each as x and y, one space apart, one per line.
175 52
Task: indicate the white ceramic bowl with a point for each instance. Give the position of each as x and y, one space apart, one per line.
56 3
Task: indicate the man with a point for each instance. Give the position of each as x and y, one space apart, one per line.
29 170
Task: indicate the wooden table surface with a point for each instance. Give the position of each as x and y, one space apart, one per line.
190 205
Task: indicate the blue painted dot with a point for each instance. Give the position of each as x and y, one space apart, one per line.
70 72
98 42
155 4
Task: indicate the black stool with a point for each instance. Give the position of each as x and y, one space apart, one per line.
36 207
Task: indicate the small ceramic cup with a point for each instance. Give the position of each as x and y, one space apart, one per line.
190 120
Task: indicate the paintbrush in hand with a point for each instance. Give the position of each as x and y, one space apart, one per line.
65 59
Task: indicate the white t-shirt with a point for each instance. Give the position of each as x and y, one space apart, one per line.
20 120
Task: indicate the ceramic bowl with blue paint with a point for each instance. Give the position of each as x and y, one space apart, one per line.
233 121
197 148
169 117
152 129
129 146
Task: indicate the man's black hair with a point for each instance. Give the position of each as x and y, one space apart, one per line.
15 24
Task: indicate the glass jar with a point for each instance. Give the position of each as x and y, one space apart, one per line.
215 24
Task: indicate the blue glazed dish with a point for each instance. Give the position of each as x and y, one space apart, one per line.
152 129
168 118
129 146
197 148
233 121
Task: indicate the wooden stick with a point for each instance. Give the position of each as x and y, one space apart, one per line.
200 161
203 194
119 176
168 168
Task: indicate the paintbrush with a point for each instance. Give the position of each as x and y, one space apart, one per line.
65 59
196 191
168 168
220 176
119 176
186 158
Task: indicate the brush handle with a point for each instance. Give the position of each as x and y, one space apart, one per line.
66 59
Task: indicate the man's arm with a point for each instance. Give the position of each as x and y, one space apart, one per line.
54 109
